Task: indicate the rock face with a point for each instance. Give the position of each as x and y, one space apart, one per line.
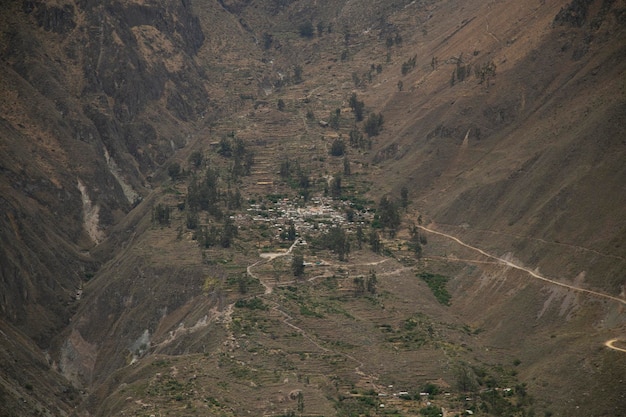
81 85
82 82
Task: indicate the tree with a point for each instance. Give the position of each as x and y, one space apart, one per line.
374 241
303 180
242 283
297 74
404 197
359 285
360 236
161 215
336 240
300 402
371 282
358 141
195 159
192 219
320 28
346 167
281 104
335 119
291 232
335 186
338 147
297 265
350 214
268 38
388 215
229 231
408 65
486 72
285 168
174 170
357 107
306 29
225 148
373 124
465 379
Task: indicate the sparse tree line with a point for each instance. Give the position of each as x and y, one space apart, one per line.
296 177
211 196
371 126
483 72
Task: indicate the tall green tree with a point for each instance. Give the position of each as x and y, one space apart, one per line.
374 241
404 197
357 107
338 147
297 264
371 283
374 124
388 215
346 166
335 186
173 170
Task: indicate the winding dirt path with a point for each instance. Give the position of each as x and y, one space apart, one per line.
287 318
609 343
521 268
536 239
267 257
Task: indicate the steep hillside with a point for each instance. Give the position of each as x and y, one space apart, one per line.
152 151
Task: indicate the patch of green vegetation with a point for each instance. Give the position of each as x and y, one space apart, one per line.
357 404
306 310
415 332
161 363
430 411
252 304
437 284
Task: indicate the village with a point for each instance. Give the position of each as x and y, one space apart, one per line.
313 217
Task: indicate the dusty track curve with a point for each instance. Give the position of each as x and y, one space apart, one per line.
611 345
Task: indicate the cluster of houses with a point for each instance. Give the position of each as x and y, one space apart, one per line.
317 215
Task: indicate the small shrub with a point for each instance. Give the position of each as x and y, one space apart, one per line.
338 148
306 29
174 170
409 65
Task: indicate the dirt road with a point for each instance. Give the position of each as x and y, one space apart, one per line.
521 268
609 343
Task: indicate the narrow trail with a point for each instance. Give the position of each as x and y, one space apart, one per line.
609 344
287 320
527 270
267 257
547 242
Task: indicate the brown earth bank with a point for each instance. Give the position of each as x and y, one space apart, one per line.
453 173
